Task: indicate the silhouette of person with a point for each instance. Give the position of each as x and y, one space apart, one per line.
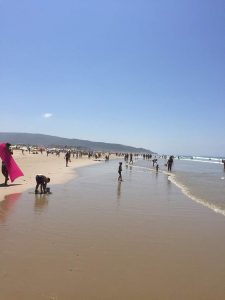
67 157
223 161
120 171
41 181
170 163
4 168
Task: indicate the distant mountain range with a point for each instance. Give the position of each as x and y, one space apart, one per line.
55 141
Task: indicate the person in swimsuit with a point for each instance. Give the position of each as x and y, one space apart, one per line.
41 181
170 163
67 157
5 172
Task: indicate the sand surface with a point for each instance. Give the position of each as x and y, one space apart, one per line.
96 238
51 166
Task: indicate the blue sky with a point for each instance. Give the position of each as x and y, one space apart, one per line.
145 73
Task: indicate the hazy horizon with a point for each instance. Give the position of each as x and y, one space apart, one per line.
150 149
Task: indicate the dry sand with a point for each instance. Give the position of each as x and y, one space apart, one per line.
50 166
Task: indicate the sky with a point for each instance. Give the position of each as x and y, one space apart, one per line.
144 73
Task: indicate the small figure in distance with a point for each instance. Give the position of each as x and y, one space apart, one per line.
120 171
223 161
67 157
131 158
41 181
157 167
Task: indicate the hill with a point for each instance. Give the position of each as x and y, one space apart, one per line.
17 138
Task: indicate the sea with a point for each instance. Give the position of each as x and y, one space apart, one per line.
200 178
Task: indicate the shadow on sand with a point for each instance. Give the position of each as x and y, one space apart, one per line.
8 185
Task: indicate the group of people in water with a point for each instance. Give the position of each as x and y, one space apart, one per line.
155 164
42 180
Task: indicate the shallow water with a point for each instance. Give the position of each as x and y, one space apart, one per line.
95 238
202 180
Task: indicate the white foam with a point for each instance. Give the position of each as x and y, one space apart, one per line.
204 161
187 192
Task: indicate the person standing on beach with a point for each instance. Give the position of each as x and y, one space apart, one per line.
67 157
5 172
131 158
170 163
120 171
223 161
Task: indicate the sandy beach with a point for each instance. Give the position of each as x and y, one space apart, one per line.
96 238
51 166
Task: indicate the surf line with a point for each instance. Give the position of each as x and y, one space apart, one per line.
145 168
186 192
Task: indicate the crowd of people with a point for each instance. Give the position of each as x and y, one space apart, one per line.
6 152
128 158
42 180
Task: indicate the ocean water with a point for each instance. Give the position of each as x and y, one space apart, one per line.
202 179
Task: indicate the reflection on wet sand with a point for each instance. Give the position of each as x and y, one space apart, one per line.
118 193
119 190
41 202
7 204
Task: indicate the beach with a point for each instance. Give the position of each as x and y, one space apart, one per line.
96 238
51 166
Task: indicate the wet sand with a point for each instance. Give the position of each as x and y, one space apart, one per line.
95 238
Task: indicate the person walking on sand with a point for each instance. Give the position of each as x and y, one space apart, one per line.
131 158
41 181
67 157
120 171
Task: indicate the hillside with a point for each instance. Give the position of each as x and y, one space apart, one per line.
54 141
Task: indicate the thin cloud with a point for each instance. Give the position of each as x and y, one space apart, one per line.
47 115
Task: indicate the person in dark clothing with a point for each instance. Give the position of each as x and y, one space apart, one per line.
170 163
131 158
5 173
223 161
41 181
120 171
67 157
4 168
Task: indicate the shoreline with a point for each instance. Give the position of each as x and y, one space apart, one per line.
51 166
